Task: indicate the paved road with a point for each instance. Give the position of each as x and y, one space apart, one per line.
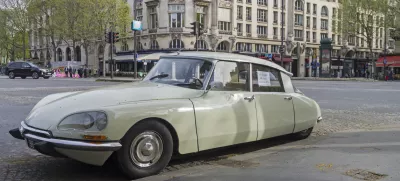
345 105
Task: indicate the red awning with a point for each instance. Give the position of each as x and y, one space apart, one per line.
277 58
392 61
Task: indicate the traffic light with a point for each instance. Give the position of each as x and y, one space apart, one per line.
115 37
108 37
194 28
282 49
200 29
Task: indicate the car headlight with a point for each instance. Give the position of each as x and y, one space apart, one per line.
91 121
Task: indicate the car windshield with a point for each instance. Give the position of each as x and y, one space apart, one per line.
32 65
189 73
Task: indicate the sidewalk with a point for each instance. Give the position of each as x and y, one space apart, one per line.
358 79
117 79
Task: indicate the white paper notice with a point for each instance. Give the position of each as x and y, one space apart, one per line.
263 78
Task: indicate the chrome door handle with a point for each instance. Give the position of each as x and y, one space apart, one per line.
249 98
288 98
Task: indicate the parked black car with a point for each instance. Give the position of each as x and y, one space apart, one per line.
26 69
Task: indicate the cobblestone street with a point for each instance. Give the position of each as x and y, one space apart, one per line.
346 106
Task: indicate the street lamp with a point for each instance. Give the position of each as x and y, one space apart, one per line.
135 42
282 32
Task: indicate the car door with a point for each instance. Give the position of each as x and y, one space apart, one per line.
17 68
26 69
275 112
226 114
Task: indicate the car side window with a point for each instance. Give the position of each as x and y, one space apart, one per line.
25 65
266 79
230 76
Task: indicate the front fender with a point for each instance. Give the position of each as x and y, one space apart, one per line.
306 111
178 112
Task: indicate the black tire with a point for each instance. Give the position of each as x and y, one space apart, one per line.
23 77
11 75
127 163
302 134
46 77
35 75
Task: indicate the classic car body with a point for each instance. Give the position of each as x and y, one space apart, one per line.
196 118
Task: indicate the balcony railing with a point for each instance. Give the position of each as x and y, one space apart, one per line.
352 43
153 30
308 39
275 37
175 29
225 32
240 34
262 36
248 34
314 40
298 38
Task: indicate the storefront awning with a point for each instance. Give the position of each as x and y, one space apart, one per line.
391 61
277 58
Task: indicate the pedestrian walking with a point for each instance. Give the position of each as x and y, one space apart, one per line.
391 75
71 71
367 74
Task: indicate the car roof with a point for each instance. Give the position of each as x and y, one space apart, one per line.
229 57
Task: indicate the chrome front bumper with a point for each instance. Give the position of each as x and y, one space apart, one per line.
319 119
41 137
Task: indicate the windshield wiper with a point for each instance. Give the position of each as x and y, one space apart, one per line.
159 76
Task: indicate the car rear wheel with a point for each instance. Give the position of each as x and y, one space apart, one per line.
11 75
35 75
303 134
23 77
146 150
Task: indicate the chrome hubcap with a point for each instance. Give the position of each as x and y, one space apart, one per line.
35 75
146 149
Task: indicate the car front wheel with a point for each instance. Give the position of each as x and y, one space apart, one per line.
23 77
11 75
35 75
302 134
146 149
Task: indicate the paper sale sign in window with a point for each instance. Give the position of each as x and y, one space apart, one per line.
263 78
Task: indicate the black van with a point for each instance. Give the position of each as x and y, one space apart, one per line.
26 69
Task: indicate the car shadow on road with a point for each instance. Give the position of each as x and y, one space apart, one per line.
47 168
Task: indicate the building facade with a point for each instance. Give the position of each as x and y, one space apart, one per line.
245 26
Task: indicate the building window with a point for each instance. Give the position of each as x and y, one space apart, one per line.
69 57
240 12
298 33
201 45
314 36
153 18
224 26
240 28
314 8
314 23
275 3
125 47
261 48
324 11
308 22
262 2
262 15
154 45
223 46
298 20
308 36
275 17
275 31
324 24
274 48
248 28
176 44
139 46
308 8
324 35
298 5
201 14
176 15
139 14
248 13
262 30
333 39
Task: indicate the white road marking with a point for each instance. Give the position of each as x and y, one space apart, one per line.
349 89
46 88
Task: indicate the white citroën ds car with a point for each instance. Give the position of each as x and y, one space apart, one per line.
189 102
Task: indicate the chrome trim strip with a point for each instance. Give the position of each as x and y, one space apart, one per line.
319 119
24 126
78 145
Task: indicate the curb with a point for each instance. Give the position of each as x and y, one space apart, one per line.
349 80
115 80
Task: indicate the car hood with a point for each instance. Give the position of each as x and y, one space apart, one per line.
51 109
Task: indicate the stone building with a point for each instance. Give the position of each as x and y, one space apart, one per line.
245 26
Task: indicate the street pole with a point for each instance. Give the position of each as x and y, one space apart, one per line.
135 42
197 35
112 51
282 32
